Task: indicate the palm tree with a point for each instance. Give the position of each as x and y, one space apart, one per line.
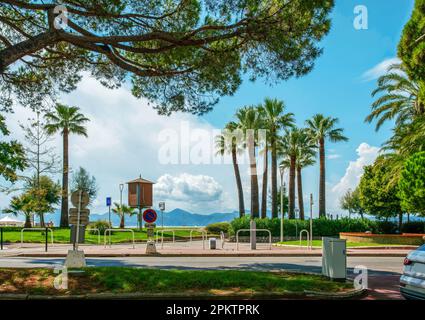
288 149
321 128
275 119
249 120
265 153
399 98
66 120
305 157
230 141
121 211
21 205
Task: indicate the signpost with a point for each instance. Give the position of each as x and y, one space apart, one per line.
150 217
162 208
78 216
108 204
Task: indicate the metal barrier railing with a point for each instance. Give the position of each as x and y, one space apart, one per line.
222 239
204 236
256 230
162 236
118 230
35 229
98 233
308 238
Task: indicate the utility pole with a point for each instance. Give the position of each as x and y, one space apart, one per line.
311 220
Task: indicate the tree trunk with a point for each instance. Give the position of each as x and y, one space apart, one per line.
27 223
254 178
122 222
291 213
238 183
300 193
264 191
64 204
400 222
42 223
322 191
274 177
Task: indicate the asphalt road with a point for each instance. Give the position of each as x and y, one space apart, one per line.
375 266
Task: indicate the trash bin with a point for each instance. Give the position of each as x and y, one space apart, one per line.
334 258
213 243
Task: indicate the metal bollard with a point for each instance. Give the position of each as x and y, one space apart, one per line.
1 238
47 231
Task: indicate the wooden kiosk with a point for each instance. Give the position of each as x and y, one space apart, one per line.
140 195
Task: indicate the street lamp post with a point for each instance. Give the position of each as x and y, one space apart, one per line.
282 171
121 189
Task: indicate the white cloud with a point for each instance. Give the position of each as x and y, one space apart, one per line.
366 156
379 70
334 156
187 187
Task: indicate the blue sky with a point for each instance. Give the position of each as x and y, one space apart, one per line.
123 132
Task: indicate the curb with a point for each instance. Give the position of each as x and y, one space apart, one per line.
118 255
356 293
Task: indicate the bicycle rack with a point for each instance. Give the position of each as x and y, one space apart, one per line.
36 229
308 238
222 239
119 230
98 233
256 230
162 237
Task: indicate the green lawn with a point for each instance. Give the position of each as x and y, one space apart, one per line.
130 280
62 235
318 243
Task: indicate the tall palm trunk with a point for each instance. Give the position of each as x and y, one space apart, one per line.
291 213
27 223
322 191
64 204
274 177
122 222
238 183
300 193
254 178
264 191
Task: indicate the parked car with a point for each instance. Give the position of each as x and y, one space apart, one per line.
412 282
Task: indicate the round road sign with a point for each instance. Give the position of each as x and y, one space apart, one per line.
149 216
75 199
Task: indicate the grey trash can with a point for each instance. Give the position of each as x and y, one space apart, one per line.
213 243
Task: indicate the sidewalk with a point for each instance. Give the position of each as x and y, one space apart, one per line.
194 248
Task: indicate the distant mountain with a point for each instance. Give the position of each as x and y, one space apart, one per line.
176 217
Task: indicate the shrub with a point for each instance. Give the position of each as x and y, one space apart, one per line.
216 228
413 227
386 227
102 225
321 227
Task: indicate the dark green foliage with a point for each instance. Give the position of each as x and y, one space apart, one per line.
321 227
413 227
12 155
101 225
377 196
411 48
216 228
412 184
183 55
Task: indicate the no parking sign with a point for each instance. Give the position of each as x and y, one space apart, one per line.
149 216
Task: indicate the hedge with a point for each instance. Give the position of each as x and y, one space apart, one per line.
321 227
